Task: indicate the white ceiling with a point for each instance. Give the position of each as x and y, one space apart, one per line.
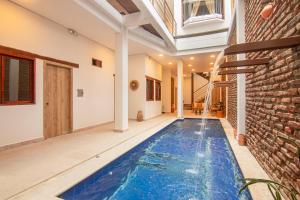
86 24
79 19
69 14
201 63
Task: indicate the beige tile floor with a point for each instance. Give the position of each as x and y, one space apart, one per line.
24 167
45 169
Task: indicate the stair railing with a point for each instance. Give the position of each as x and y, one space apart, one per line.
200 92
164 11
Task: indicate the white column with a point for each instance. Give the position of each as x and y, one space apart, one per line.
121 81
179 89
241 78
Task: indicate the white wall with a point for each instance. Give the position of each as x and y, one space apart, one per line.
137 98
154 70
139 67
199 81
23 122
24 30
166 90
187 87
205 41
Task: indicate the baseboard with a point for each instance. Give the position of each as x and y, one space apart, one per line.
90 127
15 145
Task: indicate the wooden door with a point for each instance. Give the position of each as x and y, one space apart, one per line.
57 100
175 98
172 96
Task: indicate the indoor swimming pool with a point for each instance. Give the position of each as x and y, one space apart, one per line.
185 160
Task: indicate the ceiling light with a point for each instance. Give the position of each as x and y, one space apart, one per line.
170 63
190 65
211 63
212 56
192 58
161 55
193 70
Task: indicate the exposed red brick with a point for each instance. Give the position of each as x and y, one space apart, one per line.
293 124
273 93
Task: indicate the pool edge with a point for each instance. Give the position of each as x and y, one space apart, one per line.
243 156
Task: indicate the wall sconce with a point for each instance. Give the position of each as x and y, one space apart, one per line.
267 10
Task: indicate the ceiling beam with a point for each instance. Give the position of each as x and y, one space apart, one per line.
135 20
241 63
263 45
104 12
237 71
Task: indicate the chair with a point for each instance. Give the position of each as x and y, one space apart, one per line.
199 108
194 107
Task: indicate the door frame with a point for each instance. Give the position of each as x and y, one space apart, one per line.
55 64
172 95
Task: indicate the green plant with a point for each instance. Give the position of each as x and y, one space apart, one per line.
289 140
220 106
273 187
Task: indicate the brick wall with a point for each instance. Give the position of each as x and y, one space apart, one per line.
232 90
273 93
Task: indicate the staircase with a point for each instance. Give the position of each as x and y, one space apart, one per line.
200 83
203 75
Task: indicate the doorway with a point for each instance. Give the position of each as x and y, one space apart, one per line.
57 100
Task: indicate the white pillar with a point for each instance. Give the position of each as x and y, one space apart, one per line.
241 78
121 83
179 89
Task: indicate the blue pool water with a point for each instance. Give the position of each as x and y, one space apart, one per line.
163 167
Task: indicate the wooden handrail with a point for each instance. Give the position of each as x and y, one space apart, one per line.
200 88
241 63
223 83
238 71
263 45
168 16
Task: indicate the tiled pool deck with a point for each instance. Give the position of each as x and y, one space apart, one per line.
45 169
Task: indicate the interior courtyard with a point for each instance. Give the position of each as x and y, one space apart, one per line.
121 95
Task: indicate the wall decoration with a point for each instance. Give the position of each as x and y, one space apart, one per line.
79 92
134 85
96 62
267 11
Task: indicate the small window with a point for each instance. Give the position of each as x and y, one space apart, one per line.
150 89
157 91
17 81
198 10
